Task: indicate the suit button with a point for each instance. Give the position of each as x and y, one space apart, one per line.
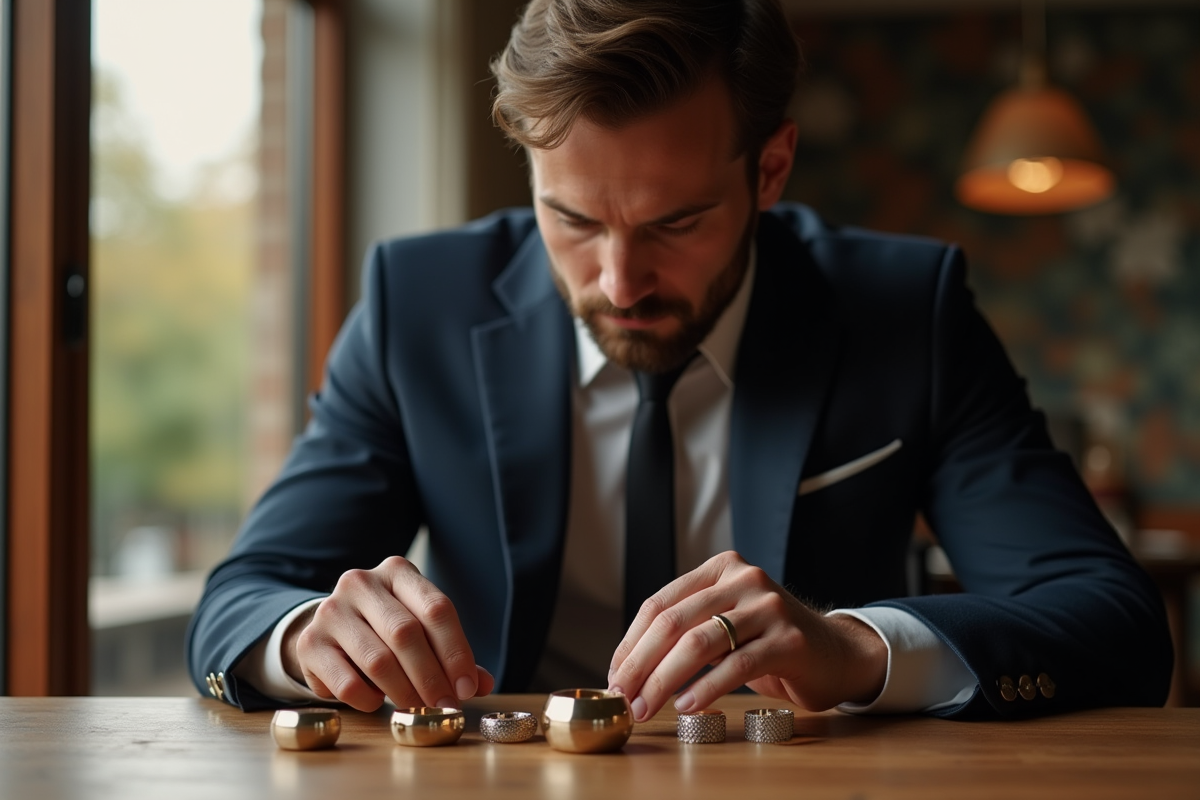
1046 685
211 680
1026 687
1007 690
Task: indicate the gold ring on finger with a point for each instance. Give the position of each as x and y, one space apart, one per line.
730 631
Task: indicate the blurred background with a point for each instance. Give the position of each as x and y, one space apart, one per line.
201 215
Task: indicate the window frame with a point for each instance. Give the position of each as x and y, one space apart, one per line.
326 284
48 497
5 96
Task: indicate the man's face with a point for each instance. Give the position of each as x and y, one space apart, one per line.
649 226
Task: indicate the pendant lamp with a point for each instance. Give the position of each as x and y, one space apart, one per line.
1034 151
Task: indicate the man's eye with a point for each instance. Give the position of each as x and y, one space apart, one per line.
680 228
574 222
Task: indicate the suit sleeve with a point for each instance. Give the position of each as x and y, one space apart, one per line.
1050 590
345 499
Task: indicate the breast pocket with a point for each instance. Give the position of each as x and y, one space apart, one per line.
849 469
851 525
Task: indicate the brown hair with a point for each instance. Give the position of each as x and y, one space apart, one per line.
615 61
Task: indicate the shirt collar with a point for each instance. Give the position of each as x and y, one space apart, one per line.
720 347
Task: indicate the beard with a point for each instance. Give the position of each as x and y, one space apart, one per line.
644 351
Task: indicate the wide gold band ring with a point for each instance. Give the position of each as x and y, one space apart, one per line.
428 727
730 631
587 720
306 728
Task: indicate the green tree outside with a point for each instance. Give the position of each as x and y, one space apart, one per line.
170 337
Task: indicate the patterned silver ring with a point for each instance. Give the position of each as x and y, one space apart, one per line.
508 727
702 727
769 725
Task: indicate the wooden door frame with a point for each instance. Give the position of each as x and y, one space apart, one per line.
47 651
48 492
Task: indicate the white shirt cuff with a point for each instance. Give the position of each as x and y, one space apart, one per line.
262 666
923 674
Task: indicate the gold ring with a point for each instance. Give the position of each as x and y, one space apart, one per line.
306 728
428 727
730 631
587 721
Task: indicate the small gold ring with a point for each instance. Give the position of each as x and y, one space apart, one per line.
730 631
306 728
428 727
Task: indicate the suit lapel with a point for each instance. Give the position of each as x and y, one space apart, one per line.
785 365
523 363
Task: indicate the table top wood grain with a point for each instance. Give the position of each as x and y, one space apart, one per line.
177 748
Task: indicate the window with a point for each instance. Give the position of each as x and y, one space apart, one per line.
195 373
44 626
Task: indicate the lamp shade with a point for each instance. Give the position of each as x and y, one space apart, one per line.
1034 152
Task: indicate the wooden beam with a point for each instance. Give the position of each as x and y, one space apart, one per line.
327 283
48 443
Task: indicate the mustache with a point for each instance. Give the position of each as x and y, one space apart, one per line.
647 308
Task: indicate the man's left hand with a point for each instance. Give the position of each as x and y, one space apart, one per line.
785 649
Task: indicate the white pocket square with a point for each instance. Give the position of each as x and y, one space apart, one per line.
847 470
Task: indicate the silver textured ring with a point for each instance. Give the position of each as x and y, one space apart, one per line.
730 631
769 725
508 727
702 727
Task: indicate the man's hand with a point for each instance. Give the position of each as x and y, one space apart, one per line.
385 631
785 649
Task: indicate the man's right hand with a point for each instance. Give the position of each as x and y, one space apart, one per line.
385 631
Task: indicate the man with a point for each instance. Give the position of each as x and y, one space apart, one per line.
632 418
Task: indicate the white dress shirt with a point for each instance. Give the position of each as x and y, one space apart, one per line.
923 673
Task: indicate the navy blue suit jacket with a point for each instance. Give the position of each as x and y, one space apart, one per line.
446 403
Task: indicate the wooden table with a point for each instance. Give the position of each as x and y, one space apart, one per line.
177 748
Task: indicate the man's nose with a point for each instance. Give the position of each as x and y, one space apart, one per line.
624 277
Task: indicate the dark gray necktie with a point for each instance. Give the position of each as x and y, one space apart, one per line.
650 493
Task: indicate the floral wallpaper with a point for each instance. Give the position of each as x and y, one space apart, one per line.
1100 308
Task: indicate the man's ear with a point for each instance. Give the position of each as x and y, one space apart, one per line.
775 164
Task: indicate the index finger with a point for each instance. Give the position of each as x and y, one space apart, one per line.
703 577
443 630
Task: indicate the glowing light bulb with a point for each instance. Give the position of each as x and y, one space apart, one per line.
1035 175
